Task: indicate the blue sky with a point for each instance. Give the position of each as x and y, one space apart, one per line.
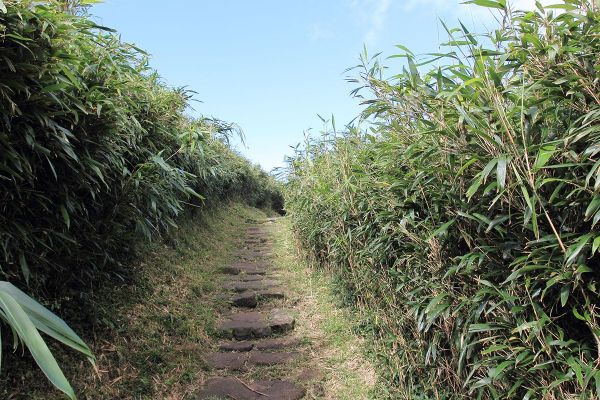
272 66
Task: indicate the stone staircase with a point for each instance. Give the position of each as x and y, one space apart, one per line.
256 331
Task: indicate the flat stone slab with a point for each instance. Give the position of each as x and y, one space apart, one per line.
245 268
257 248
277 343
256 230
252 285
281 321
252 324
253 254
284 343
236 345
257 233
233 388
251 298
256 240
269 358
246 299
233 361
240 360
245 278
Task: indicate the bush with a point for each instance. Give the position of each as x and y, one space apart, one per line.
95 151
463 221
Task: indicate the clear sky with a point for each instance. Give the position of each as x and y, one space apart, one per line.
272 65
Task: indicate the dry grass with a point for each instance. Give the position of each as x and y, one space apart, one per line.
335 363
151 347
151 327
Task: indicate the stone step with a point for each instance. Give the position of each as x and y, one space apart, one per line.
257 248
244 278
251 298
258 240
285 343
234 388
257 232
251 254
245 268
253 324
243 360
238 286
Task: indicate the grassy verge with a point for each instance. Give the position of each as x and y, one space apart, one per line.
328 328
152 324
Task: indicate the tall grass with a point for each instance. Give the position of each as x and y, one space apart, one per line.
463 221
96 151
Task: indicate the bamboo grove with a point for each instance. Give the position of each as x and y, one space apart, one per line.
95 153
461 213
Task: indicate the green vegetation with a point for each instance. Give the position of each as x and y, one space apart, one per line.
95 154
151 328
463 221
338 368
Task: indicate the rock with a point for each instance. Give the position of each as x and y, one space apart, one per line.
248 325
268 294
232 388
238 360
252 285
246 299
263 344
277 343
246 278
236 346
233 361
280 321
245 268
269 358
256 240
251 298
253 254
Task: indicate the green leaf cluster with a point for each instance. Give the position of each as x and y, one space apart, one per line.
462 211
96 152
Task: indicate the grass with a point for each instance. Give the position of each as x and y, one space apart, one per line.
96 154
153 324
461 209
325 325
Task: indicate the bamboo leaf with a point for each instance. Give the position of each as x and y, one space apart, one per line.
19 321
65 216
544 155
442 230
574 250
564 294
500 4
501 172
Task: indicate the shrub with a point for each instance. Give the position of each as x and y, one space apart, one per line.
463 222
95 150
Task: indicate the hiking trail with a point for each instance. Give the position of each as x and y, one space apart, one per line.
257 330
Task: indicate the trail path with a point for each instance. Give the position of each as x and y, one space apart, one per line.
258 349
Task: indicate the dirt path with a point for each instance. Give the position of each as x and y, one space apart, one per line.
257 331
225 308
